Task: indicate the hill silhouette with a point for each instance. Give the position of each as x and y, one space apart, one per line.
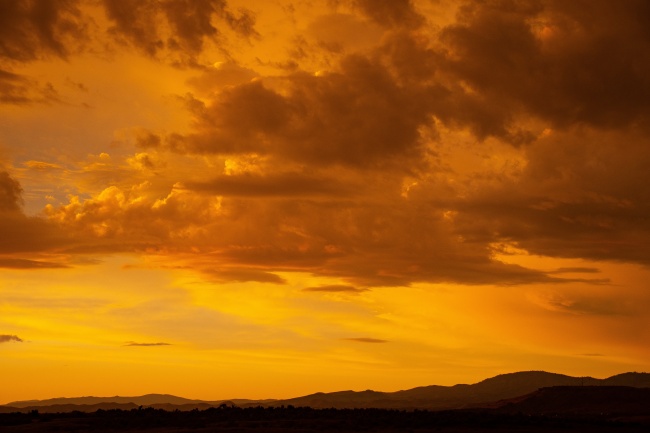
480 394
91 404
290 419
485 394
581 400
143 400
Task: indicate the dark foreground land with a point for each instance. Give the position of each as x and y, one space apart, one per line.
307 420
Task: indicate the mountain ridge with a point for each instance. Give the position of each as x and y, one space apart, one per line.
583 400
433 397
457 396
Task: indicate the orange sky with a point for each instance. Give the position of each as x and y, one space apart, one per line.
263 199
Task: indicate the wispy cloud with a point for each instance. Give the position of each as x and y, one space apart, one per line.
576 270
29 264
4 338
335 288
136 344
366 340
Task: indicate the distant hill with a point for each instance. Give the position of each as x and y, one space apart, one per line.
488 394
92 404
61 408
143 400
480 394
581 400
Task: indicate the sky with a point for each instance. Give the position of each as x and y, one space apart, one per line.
265 199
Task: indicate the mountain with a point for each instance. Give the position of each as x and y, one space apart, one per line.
581 400
637 380
487 394
143 400
61 408
148 400
480 394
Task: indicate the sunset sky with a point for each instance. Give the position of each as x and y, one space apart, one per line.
267 198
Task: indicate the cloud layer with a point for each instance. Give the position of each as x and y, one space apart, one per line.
353 171
4 338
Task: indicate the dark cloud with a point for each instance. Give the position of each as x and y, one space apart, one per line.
576 270
414 63
134 344
581 195
358 116
366 340
171 30
16 89
191 23
550 59
135 20
11 263
243 275
20 233
327 36
147 139
338 147
381 241
242 22
10 338
336 288
375 237
10 193
390 13
274 185
32 29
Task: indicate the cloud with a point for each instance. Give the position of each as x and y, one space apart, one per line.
134 344
576 270
41 165
584 304
376 237
221 75
4 338
579 196
190 25
11 263
335 288
132 214
330 35
241 274
357 117
10 193
365 171
551 60
33 29
20 233
171 30
391 13
14 88
271 185
366 340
